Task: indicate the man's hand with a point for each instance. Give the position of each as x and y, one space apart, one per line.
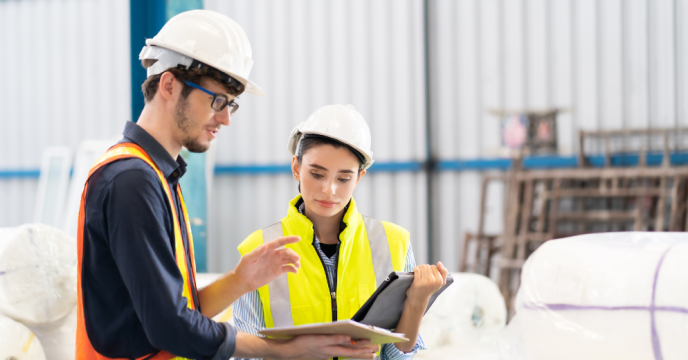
328 346
303 347
267 262
256 269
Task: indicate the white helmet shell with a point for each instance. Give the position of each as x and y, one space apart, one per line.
209 37
339 122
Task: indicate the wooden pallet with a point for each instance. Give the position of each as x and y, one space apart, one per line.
542 205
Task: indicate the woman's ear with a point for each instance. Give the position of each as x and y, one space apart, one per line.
295 169
360 175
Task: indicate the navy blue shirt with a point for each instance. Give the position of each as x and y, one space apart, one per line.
131 285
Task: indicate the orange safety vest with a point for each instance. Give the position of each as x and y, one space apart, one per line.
84 349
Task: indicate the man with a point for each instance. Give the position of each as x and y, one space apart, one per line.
137 296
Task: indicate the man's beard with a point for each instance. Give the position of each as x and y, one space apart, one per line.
185 124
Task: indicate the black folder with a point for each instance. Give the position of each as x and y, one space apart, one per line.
383 309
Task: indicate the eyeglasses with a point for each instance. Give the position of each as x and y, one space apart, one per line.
220 101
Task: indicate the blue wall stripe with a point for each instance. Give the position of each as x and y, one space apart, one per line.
13 174
533 162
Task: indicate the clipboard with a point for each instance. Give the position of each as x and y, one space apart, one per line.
383 309
373 320
357 331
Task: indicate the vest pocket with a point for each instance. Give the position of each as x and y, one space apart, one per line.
356 302
303 315
363 295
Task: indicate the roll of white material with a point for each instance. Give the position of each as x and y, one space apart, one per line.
38 285
606 296
17 342
58 337
37 274
469 313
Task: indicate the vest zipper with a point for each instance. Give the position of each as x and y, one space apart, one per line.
333 292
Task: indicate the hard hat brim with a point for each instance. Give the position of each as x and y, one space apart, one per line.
251 87
367 155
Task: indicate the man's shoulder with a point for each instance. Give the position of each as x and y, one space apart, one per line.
129 172
132 167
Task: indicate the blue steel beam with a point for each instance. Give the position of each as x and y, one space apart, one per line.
534 162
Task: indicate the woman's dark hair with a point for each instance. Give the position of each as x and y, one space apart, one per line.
309 141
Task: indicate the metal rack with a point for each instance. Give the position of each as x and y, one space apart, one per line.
553 203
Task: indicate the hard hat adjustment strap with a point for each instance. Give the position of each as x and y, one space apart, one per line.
226 78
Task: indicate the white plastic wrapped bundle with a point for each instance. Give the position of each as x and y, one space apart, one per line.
38 284
17 342
606 296
466 318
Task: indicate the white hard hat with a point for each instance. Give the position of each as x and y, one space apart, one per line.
339 122
206 36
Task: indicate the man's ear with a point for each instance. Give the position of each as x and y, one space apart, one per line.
169 88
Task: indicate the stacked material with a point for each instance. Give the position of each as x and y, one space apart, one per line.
38 285
17 342
605 296
465 321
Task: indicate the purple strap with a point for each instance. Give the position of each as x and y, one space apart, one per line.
656 348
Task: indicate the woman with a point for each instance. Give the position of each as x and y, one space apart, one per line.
344 255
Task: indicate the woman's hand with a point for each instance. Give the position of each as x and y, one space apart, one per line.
427 280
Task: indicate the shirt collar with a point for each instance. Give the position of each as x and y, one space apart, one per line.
137 135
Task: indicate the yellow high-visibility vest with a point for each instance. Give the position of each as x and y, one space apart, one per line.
370 249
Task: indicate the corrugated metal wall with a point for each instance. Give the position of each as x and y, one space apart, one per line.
612 63
64 78
312 53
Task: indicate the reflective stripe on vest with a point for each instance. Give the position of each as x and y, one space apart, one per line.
280 303
84 349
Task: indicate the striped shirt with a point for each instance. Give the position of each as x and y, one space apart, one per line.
249 317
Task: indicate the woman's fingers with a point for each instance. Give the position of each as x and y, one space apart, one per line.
443 271
437 277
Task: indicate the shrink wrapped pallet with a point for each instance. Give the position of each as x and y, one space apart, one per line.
466 318
38 285
18 342
606 296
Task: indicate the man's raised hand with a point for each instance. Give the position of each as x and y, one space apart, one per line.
267 262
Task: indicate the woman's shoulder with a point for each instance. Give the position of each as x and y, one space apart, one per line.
392 230
251 242
395 231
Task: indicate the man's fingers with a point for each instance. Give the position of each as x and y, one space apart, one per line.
360 343
282 241
289 268
258 252
287 255
335 339
367 352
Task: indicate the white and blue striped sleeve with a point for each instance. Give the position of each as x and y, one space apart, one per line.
248 314
390 351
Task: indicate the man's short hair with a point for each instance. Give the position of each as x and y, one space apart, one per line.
196 76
